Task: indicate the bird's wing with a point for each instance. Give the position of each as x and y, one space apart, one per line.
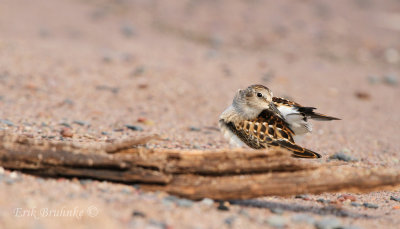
287 107
281 101
267 130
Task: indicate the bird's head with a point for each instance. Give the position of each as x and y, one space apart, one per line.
250 102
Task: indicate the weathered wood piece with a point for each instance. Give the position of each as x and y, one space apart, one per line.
220 174
324 179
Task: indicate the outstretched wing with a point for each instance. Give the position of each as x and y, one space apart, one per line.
269 130
288 107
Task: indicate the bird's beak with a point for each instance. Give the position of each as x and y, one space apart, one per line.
275 110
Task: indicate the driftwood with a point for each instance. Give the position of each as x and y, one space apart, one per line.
218 174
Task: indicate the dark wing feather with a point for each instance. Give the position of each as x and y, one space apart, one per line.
282 101
297 150
309 112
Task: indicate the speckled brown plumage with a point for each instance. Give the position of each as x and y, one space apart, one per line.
269 130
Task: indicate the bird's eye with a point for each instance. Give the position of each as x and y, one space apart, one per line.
259 95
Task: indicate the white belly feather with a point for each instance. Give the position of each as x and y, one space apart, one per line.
234 140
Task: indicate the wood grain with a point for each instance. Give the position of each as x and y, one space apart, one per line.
219 174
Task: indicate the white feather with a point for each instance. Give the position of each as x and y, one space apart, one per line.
234 140
295 120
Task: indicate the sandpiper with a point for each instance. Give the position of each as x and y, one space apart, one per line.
259 120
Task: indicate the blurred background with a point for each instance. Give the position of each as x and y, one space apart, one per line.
102 70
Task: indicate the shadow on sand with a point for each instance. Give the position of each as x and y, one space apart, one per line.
293 207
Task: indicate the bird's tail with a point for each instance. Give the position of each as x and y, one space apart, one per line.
309 112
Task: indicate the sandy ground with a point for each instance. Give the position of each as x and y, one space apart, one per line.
171 68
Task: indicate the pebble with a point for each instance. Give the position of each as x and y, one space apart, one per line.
68 102
81 123
126 191
373 79
222 206
391 198
12 178
85 181
9 180
166 203
66 132
145 121
276 221
158 223
341 156
106 58
13 175
227 71
324 201
244 213
335 202
207 202
278 211
141 119
345 150
138 71
350 227
193 128
143 86
303 218
128 30
344 197
114 90
134 128
355 204
171 198
363 95
127 57
65 124
391 80
137 213
7 122
328 223
136 186
184 203
230 220
370 205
